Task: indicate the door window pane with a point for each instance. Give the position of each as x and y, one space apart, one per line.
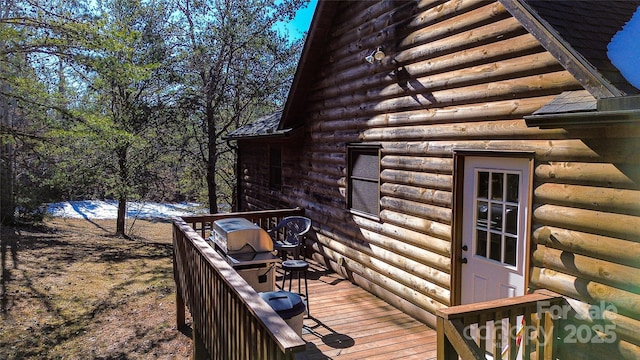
496 186
481 243
495 249
513 187
511 220
483 214
497 197
496 217
510 244
483 185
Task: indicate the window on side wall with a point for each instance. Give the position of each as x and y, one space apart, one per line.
364 179
275 167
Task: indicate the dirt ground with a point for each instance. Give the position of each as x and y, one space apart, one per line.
71 290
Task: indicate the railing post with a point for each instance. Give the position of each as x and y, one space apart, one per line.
199 350
180 306
453 338
446 351
180 311
209 287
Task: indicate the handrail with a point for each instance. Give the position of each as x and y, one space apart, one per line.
230 320
266 219
501 328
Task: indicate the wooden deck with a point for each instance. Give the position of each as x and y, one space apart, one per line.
347 322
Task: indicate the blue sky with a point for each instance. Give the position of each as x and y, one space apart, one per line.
300 24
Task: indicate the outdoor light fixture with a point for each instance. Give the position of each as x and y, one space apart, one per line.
376 55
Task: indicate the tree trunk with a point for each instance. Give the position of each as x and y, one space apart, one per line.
122 215
122 191
211 185
7 204
212 161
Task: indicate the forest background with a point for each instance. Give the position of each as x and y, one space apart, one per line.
130 100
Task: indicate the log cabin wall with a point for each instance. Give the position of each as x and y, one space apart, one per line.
586 232
256 193
457 75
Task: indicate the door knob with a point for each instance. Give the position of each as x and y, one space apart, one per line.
464 260
465 248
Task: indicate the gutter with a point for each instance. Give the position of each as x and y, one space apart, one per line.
277 134
584 118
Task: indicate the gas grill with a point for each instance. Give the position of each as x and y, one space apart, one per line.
248 249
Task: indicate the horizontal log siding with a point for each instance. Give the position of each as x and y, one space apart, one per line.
464 71
587 231
256 193
458 75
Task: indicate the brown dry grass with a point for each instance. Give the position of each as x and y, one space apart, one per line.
71 290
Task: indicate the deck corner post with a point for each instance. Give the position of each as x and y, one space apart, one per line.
180 311
199 350
445 351
180 306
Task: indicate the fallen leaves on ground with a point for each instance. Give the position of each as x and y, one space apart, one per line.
72 290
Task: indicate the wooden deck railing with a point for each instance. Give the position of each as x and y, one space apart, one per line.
230 320
499 329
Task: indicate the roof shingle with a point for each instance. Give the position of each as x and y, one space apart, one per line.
588 26
264 126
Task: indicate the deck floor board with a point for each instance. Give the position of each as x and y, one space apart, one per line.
347 322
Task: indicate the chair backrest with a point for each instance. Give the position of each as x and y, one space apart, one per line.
295 227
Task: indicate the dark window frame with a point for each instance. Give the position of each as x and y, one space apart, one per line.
366 182
275 167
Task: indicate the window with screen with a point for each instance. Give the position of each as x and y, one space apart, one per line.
364 174
275 167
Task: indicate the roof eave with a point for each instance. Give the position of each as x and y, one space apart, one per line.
310 58
278 134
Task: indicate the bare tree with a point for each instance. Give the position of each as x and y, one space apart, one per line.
236 68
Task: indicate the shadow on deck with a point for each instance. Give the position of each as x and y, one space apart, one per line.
230 321
347 322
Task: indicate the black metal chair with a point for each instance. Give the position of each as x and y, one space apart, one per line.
289 236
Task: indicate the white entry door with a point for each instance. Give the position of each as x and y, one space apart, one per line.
495 215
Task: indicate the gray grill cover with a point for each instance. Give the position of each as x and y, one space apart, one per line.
239 235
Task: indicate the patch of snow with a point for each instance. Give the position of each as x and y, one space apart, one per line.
95 209
624 50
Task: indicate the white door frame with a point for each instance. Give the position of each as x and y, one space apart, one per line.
457 226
